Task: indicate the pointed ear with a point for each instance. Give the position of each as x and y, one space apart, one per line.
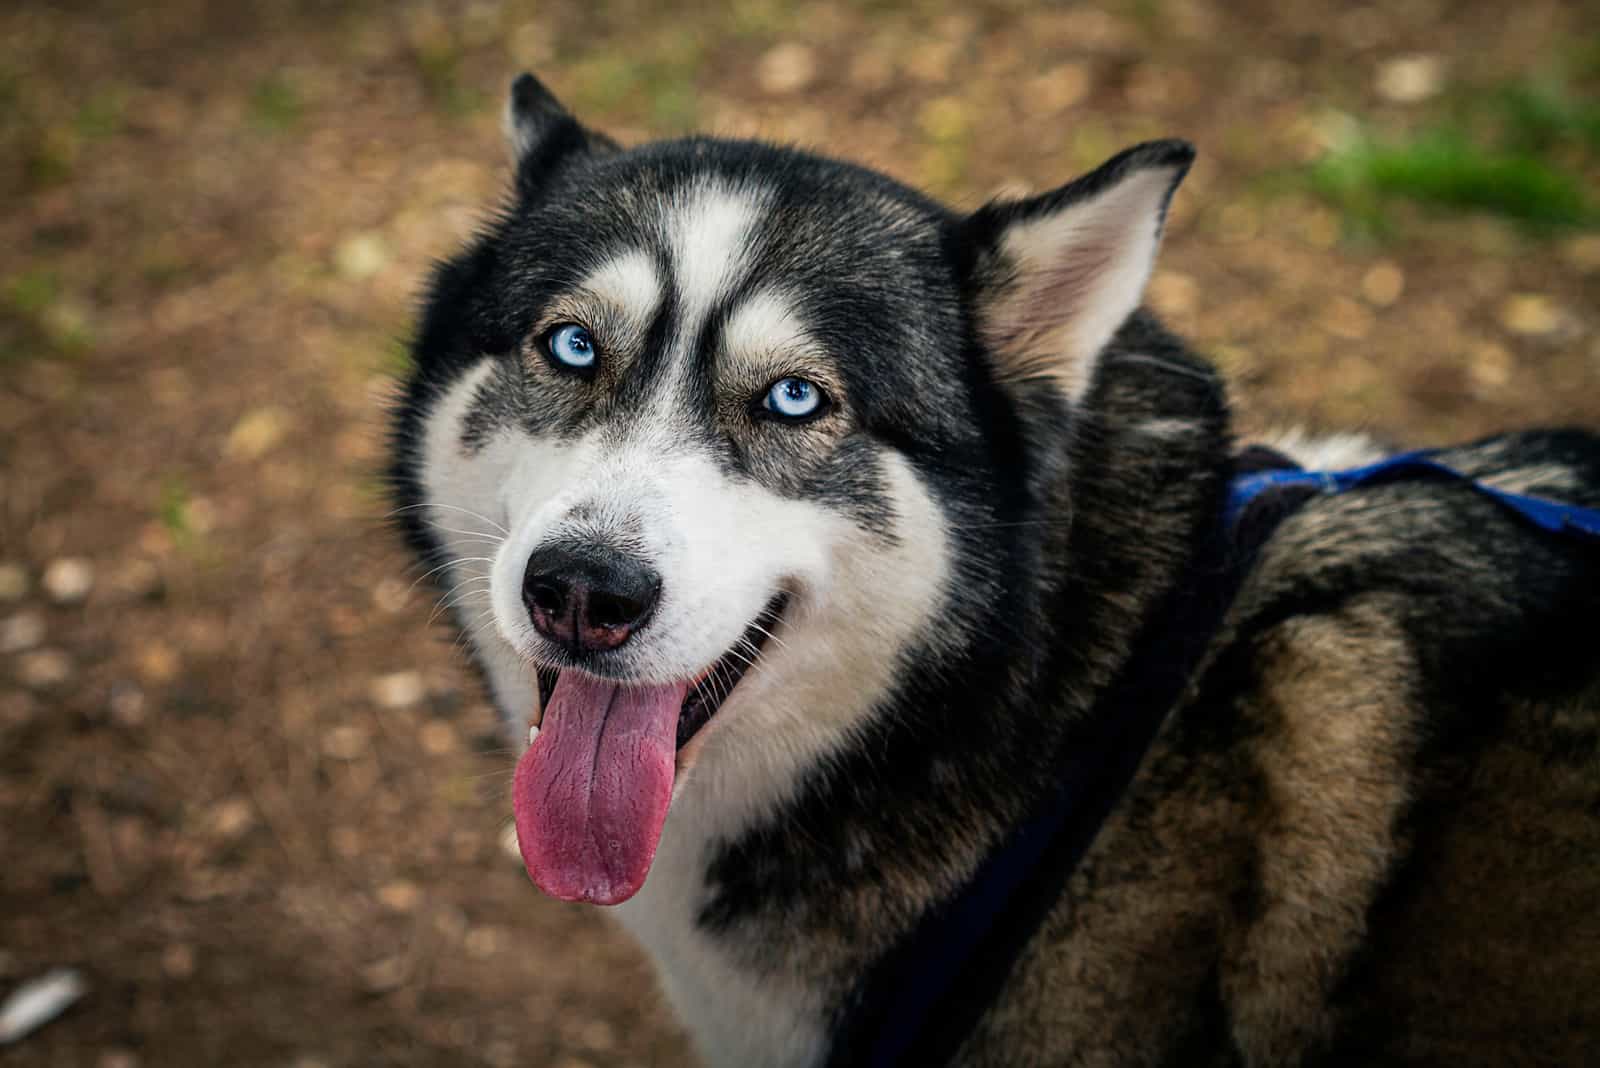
1053 277
542 133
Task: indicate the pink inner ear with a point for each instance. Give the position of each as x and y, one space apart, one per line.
1046 298
1074 277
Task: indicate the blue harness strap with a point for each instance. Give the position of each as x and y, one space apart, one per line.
1554 516
922 1001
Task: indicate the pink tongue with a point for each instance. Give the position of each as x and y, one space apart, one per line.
592 791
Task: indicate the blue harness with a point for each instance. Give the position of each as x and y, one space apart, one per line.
1554 516
921 1002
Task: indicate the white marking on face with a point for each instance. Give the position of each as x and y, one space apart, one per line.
630 283
764 324
723 550
462 493
707 233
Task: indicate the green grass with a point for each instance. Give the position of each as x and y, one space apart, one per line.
1518 151
172 509
660 90
31 292
101 116
1544 118
1444 169
275 105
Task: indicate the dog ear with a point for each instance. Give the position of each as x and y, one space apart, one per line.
542 133
1053 277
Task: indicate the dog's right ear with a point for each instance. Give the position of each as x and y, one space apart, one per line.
1053 277
542 133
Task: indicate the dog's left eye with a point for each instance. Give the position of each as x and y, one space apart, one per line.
571 346
794 398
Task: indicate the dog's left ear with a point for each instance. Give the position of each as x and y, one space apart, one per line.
1053 277
542 133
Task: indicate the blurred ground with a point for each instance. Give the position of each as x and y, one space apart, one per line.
242 785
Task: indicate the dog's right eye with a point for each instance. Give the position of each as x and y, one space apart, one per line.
570 345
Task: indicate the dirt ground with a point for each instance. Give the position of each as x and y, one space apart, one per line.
245 786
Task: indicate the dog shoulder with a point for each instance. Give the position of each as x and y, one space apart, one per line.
1403 656
1401 684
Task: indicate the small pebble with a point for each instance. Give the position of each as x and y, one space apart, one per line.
138 578
483 942
1530 314
256 433
1383 283
13 583
438 737
1347 319
346 842
158 663
786 68
178 961
360 256
233 817
1410 79
345 743
391 595
1174 294
402 689
402 895
127 705
1583 252
21 632
16 709
385 975
598 1035
44 668
38 1001
1059 88
68 580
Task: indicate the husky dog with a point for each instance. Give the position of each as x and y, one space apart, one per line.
807 527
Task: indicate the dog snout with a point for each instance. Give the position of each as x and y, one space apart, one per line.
588 598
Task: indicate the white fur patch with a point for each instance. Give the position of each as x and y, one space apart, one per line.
1325 452
630 284
763 324
461 491
708 234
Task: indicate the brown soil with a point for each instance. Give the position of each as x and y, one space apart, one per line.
243 785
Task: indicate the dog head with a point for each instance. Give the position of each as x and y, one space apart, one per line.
710 436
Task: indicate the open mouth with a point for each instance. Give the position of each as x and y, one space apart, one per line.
592 790
716 683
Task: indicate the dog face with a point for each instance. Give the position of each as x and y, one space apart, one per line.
707 436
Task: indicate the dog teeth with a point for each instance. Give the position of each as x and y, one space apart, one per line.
533 733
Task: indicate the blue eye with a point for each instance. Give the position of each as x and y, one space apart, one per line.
793 398
571 345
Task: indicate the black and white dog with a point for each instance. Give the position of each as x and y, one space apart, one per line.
808 530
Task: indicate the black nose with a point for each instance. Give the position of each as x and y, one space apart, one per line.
588 598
